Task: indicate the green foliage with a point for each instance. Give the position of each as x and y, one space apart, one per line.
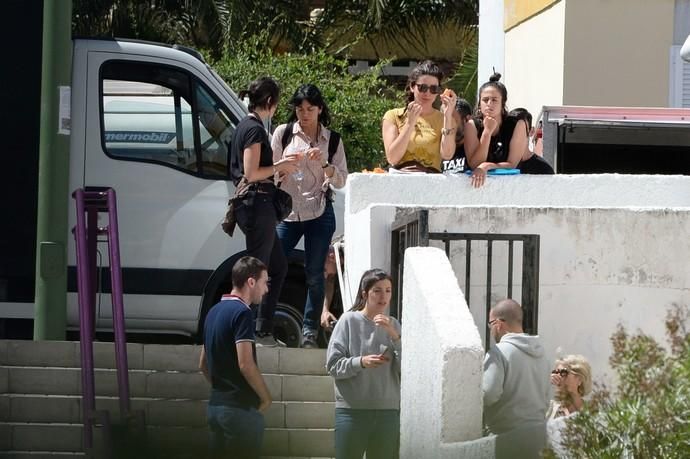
649 416
357 102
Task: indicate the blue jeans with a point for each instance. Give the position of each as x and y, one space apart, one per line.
317 238
375 431
235 432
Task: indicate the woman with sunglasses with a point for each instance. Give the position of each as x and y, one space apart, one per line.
572 378
491 138
417 136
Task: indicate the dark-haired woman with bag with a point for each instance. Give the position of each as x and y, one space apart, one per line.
252 170
322 164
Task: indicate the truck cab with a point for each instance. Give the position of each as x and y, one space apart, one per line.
155 123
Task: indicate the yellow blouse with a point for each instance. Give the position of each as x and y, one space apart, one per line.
425 142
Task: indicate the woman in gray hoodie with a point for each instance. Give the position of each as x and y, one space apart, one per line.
363 357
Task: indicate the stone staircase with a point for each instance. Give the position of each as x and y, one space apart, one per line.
40 399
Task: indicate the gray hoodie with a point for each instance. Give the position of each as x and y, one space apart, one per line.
516 383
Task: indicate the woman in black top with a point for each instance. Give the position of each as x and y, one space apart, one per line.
251 157
491 138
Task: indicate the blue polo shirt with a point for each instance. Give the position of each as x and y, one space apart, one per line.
229 322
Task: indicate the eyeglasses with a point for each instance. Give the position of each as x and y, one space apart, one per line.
433 88
492 322
562 372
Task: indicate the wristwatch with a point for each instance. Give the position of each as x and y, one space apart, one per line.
446 131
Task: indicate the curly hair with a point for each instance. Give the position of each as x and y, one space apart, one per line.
578 364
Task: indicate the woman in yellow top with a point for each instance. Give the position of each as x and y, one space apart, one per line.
418 136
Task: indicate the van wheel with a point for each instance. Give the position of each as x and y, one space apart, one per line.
287 325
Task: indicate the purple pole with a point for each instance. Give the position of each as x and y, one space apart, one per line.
118 306
85 322
92 244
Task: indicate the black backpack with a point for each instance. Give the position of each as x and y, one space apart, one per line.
332 147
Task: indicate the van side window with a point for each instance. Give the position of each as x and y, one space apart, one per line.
215 131
162 115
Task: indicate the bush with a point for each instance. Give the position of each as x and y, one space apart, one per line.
649 417
357 102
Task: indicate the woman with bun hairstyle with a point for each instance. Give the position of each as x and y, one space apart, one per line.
493 140
252 167
417 136
363 357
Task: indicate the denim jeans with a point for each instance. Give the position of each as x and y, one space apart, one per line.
258 223
317 238
235 432
376 432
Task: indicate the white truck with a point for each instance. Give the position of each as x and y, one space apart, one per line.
155 123
588 140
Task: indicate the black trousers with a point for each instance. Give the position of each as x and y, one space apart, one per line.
258 223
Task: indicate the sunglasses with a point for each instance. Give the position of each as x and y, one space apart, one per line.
433 88
492 322
562 372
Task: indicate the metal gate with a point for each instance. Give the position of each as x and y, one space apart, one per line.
412 230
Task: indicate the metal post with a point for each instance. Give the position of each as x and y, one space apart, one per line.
118 305
50 316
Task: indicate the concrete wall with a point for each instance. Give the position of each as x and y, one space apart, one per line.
491 39
614 247
617 52
441 398
591 52
534 56
599 268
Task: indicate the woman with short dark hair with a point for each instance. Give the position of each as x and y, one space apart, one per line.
321 160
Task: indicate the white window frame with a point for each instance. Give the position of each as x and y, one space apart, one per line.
679 71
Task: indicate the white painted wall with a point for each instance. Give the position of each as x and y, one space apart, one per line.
491 39
441 394
534 60
613 247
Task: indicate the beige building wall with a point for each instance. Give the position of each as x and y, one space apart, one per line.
534 55
617 52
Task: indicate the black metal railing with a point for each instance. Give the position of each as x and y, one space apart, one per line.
412 229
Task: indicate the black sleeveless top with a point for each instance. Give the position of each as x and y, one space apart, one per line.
499 148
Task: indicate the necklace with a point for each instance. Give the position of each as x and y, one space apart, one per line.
312 144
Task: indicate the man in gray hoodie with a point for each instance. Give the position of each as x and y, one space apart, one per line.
515 385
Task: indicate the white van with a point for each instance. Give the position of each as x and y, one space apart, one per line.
155 123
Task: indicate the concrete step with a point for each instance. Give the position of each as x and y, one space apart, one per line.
175 441
153 356
160 412
154 384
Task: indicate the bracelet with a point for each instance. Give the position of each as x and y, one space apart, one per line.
325 165
446 131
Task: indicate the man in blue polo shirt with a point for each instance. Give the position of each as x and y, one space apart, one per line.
239 395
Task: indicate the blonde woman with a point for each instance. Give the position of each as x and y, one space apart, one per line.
572 378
